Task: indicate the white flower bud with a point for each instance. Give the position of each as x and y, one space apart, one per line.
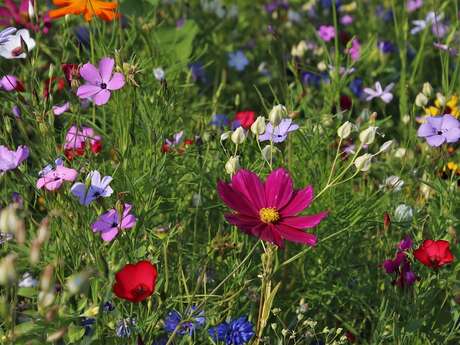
363 163
421 100
403 213
367 136
405 119
427 89
386 146
232 165
7 269
268 152
258 127
224 136
277 113
344 131
441 99
322 66
400 152
238 136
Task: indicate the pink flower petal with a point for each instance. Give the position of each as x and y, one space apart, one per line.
244 223
117 82
66 174
295 235
300 200
235 200
61 108
278 188
109 235
88 91
267 232
128 222
90 73
101 97
249 184
106 69
303 222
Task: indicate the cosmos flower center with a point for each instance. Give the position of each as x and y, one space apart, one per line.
269 215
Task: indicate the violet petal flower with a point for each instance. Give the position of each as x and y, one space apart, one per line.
60 109
280 133
10 160
111 223
384 94
99 187
440 129
100 81
52 179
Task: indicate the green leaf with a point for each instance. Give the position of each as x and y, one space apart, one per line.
137 7
74 333
27 292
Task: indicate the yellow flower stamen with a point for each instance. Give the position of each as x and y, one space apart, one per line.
269 215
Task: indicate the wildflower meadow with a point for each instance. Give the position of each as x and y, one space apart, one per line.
279 172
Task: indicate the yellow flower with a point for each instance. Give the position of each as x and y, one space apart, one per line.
451 107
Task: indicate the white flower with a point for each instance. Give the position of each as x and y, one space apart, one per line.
367 136
344 131
18 45
427 89
393 183
159 73
258 127
403 213
6 34
238 136
363 162
421 100
277 113
386 146
27 281
232 165
400 152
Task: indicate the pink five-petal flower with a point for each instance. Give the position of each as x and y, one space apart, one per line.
100 82
54 179
269 210
111 223
10 160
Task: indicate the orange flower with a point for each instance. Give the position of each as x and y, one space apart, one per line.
89 8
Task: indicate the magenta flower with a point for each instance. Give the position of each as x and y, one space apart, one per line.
10 160
11 83
60 109
12 14
99 82
440 129
269 210
400 266
52 179
346 20
355 49
326 32
413 5
112 222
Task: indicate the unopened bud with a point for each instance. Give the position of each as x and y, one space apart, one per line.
421 100
344 131
46 281
386 146
427 89
269 151
258 127
78 282
34 253
7 269
277 113
232 165
386 221
441 99
43 231
238 136
363 163
367 136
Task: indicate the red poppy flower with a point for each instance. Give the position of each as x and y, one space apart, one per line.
434 254
245 118
135 282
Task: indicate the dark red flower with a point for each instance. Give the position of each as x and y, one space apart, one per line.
434 254
246 118
71 72
135 282
52 85
345 102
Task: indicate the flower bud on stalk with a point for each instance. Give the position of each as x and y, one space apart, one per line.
421 100
232 165
258 127
367 136
277 113
7 269
363 163
427 89
238 136
344 131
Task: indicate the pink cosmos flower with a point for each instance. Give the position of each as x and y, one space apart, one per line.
269 210
326 32
52 179
111 223
10 160
99 82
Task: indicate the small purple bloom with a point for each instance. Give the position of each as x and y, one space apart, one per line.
238 60
97 188
355 50
440 129
413 5
174 320
439 29
280 133
405 244
99 82
356 86
346 20
175 140
219 120
446 48
386 47
16 111
237 332
309 78
198 72
10 83
326 32
60 109
111 223
384 94
10 160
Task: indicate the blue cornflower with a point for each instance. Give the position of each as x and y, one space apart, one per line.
198 72
124 327
88 323
356 86
83 36
238 60
160 341
219 120
386 47
312 79
328 3
108 307
237 332
174 318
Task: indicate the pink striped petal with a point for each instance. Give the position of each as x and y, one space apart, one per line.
249 184
301 199
295 235
278 188
304 222
235 200
268 233
66 174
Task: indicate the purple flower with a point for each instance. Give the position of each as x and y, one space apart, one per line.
386 47
446 48
16 111
175 140
97 188
346 20
356 86
400 265
99 82
355 50
237 332
174 320
326 32
440 129
53 178
384 94
405 244
198 72
61 108
10 83
439 29
280 133
112 222
219 120
413 5
10 160
238 60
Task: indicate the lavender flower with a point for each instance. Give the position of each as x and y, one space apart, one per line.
97 188
10 160
280 133
238 60
174 320
384 94
112 222
440 129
